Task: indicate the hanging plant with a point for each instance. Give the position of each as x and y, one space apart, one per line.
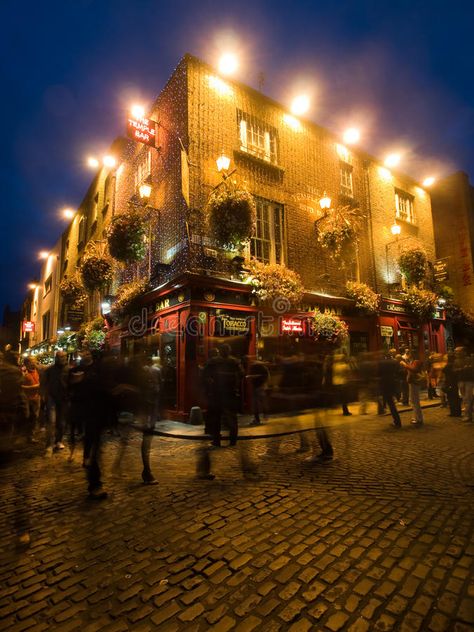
421 303
329 328
126 237
92 334
275 283
73 292
232 216
127 296
338 230
364 296
96 272
413 264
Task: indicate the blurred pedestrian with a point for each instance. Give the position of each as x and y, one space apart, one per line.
416 379
31 388
451 386
388 375
258 377
55 388
466 376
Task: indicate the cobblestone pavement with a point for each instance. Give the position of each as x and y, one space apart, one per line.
379 539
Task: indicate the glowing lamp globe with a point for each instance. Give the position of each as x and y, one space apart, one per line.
427 182
228 64
145 191
351 136
223 163
396 229
300 105
325 202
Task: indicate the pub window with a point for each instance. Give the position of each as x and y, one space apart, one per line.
143 169
46 324
268 243
48 285
82 232
256 137
404 207
346 179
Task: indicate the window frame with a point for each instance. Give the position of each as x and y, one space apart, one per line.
410 217
142 168
273 224
257 138
346 168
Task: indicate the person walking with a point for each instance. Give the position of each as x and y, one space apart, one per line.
258 377
55 381
451 386
416 379
388 369
31 388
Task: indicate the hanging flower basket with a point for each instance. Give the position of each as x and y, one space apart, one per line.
73 292
127 296
92 334
275 284
421 303
337 232
231 216
96 272
126 237
366 299
413 263
329 328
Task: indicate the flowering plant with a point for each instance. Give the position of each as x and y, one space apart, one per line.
364 296
338 229
421 303
275 282
73 292
126 237
127 295
92 334
232 216
413 263
329 328
96 272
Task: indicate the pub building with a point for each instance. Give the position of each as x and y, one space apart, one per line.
202 133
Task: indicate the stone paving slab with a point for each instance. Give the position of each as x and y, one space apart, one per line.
379 539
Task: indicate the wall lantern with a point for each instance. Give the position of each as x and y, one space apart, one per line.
325 202
396 229
223 163
145 190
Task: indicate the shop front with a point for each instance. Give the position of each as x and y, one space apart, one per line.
400 330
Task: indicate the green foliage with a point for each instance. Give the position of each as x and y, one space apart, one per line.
127 296
274 282
73 292
96 272
421 303
413 264
366 299
126 237
329 328
92 334
338 230
232 216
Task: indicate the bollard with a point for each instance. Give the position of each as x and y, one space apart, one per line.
195 416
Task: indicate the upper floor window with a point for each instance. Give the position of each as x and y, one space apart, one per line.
256 137
48 285
404 207
268 243
46 324
143 169
81 232
346 179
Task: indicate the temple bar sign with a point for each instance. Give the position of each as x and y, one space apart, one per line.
142 130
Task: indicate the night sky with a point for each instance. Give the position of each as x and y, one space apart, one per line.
402 71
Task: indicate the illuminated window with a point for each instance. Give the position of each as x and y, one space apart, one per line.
346 179
404 207
143 169
268 243
256 137
46 323
48 285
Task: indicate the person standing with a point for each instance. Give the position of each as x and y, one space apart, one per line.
31 388
467 378
416 379
451 387
55 390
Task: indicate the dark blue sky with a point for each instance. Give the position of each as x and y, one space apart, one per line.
404 70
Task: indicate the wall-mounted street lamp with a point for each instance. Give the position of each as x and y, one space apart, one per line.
145 190
395 228
325 202
223 163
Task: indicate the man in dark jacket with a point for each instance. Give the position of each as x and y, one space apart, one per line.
258 377
54 382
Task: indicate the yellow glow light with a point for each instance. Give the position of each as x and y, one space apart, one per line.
396 229
292 122
343 153
43 254
223 163
300 105
219 86
109 161
228 64
145 191
385 173
392 160
32 286
68 213
325 202
92 162
351 136
137 111
427 182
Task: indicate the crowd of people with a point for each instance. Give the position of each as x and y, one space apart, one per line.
75 400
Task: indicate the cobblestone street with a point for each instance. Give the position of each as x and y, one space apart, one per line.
379 539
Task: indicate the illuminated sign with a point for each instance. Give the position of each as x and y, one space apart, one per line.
386 331
142 130
227 325
292 326
28 326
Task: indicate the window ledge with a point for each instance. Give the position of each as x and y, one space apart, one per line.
410 227
239 153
